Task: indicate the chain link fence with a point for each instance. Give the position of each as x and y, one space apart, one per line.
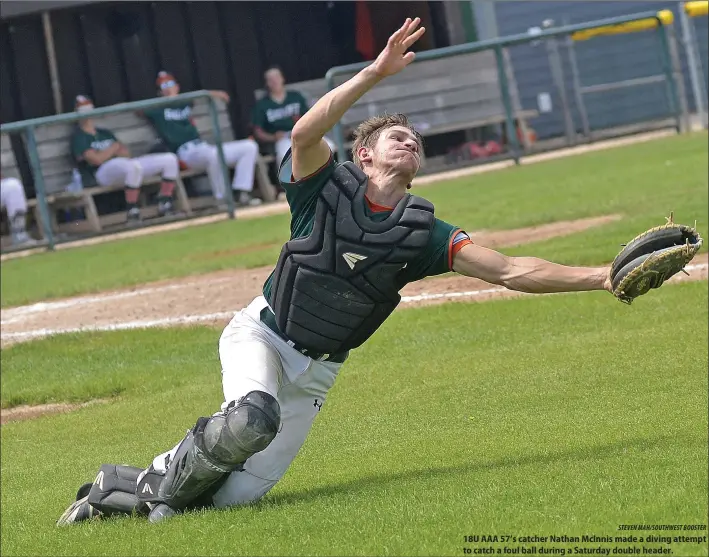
694 36
602 83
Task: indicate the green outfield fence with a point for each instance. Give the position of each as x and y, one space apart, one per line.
621 24
629 23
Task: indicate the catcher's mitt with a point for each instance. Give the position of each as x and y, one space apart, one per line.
653 257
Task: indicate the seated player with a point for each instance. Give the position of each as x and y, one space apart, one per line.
275 114
103 160
175 127
14 201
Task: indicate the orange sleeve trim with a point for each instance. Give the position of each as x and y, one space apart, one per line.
453 249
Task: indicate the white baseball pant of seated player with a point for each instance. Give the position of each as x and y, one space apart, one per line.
253 358
200 155
12 196
130 172
283 144
14 200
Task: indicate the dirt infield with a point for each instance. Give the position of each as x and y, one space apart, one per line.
26 412
216 296
213 298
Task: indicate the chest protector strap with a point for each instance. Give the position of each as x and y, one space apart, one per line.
332 289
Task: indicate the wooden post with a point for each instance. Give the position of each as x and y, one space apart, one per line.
52 62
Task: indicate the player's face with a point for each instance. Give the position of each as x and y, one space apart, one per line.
398 147
169 88
275 81
85 108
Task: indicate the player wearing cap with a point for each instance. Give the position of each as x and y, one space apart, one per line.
103 160
175 126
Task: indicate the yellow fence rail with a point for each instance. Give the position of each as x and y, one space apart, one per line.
664 17
696 9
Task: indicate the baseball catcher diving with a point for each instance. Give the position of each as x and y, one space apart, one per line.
357 238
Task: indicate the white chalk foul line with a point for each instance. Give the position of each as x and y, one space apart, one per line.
14 314
146 324
444 295
187 319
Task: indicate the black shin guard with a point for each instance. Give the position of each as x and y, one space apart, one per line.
113 490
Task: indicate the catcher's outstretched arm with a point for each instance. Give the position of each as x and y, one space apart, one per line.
528 274
309 149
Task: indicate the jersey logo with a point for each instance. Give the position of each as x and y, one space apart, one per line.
352 258
99 480
146 487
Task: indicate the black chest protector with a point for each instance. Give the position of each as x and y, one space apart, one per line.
332 289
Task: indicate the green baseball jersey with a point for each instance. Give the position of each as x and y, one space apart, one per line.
274 117
81 142
302 198
174 125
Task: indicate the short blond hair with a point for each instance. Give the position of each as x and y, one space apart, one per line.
368 132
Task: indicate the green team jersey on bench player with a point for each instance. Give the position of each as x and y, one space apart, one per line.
81 142
302 198
174 125
274 117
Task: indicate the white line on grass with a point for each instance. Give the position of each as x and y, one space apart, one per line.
146 324
187 319
14 314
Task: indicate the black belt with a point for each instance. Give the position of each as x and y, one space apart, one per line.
268 319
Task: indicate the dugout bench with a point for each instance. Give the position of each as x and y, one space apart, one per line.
458 93
135 131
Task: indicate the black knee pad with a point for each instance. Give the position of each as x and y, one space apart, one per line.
246 428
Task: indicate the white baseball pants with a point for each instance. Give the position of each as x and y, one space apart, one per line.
282 146
240 154
130 172
254 358
12 196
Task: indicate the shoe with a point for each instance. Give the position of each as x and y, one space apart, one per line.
221 205
160 512
22 239
133 216
78 512
245 199
165 209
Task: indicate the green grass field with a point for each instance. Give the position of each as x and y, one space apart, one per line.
644 182
565 415
568 414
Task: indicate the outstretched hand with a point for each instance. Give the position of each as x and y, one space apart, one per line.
394 57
